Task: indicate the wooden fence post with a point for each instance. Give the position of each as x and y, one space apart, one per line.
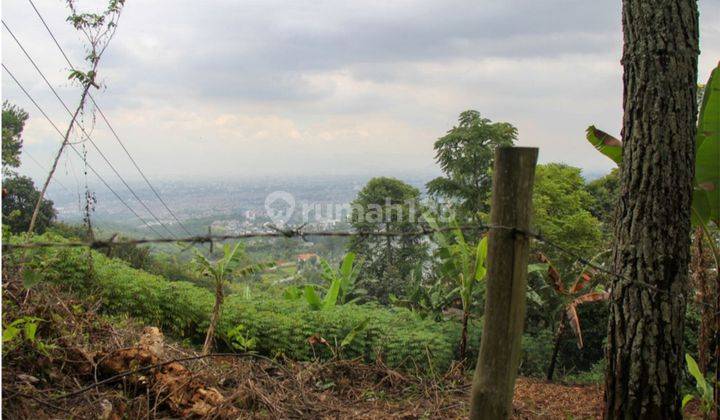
511 207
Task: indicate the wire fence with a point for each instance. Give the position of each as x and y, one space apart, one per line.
272 232
300 233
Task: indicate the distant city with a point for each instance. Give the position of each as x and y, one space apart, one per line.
226 206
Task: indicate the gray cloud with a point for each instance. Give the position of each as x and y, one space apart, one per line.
337 86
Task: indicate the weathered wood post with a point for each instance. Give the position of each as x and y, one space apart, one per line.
511 207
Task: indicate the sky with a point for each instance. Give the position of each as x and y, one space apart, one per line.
235 89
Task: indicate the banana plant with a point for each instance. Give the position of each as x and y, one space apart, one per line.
341 284
706 185
427 300
704 389
234 262
316 303
571 298
346 276
465 264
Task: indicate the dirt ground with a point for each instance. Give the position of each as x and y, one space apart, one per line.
89 366
225 386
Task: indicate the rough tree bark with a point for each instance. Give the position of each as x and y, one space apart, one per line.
652 236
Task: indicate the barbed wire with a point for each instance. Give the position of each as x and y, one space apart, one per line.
299 232
272 232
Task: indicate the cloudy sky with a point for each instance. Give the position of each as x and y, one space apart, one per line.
240 88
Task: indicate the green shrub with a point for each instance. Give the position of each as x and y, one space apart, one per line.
399 337
595 375
537 350
396 335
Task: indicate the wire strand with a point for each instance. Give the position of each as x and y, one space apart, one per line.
44 168
87 135
275 232
76 151
107 122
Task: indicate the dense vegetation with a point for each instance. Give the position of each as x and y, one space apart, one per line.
623 278
408 302
279 326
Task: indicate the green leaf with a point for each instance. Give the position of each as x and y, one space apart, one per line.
230 255
312 298
347 265
537 268
480 258
10 333
328 274
77 74
605 143
292 293
709 112
695 372
706 197
702 209
350 337
332 294
31 278
30 330
440 238
535 298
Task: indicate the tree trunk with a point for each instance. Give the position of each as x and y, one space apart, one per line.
210 337
463 336
652 236
59 153
556 346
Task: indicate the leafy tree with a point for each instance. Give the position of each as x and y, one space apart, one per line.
562 206
19 198
386 205
19 194
13 122
465 155
605 191
233 262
